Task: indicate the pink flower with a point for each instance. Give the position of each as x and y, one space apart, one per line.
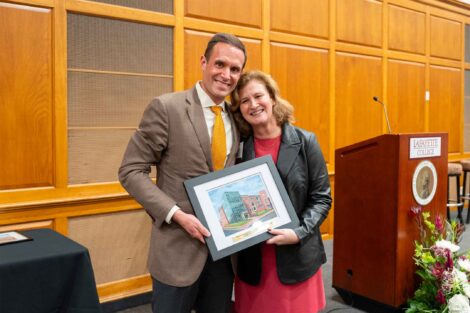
445 274
415 211
439 252
447 281
439 225
440 297
437 270
450 262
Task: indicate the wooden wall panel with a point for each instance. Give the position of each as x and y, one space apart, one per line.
198 42
27 226
26 153
406 30
445 103
406 96
306 17
165 6
359 21
466 110
290 65
466 125
118 243
242 12
358 80
331 90
466 42
446 38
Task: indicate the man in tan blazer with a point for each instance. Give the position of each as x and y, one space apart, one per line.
175 135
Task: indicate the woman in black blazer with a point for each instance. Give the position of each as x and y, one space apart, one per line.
283 274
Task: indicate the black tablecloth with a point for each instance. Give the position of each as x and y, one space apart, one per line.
49 274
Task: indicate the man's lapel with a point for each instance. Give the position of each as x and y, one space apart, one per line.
196 116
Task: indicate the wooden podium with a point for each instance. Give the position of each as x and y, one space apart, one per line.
373 231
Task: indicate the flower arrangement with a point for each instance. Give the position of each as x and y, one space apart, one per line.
444 273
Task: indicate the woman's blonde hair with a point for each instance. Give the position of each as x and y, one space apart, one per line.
283 111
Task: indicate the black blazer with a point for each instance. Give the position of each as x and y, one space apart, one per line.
304 174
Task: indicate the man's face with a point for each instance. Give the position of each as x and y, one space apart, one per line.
221 72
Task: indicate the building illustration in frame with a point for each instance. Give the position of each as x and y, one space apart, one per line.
238 208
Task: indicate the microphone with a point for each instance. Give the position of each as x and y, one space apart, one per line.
376 99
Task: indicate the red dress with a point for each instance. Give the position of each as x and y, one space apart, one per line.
271 296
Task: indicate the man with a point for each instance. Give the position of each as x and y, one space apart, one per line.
186 135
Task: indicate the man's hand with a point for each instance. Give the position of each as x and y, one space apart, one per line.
283 237
191 225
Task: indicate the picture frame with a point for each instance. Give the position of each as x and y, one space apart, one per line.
239 204
12 237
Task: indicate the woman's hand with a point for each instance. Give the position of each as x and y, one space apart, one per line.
283 237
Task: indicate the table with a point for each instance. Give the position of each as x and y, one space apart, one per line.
50 274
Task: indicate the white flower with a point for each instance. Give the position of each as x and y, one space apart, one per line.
459 276
447 245
466 289
464 264
458 304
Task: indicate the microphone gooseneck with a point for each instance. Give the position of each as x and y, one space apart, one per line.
376 99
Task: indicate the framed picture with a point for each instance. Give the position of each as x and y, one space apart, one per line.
12 237
239 204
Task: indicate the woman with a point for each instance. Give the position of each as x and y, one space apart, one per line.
282 275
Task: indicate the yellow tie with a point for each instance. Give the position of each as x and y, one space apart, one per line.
219 147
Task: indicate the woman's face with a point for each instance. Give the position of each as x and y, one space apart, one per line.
256 105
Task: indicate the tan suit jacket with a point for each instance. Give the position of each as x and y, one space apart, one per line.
173 135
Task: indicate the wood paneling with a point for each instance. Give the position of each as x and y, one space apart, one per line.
242 12
165 6
330 57
27 226
118 243
359 21
445 103
197 41
446 38
406 96
124 288
466 113
50 210
406 30
290 65
25 97
306 17
358 80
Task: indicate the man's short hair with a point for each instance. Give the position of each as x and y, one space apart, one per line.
224 38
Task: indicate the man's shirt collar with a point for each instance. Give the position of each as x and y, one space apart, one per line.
206 101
